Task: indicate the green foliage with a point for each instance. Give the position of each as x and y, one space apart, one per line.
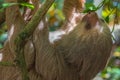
111 73
55 15
111 11
118 49
89 7
23 4
5 5
107 19
27 5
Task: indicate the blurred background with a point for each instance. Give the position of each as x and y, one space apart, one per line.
110 12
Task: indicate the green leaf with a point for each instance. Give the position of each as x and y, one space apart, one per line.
31 6
107 18
5 5
89 7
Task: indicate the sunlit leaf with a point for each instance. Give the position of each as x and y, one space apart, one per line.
89 7
108 14
5 5
31 6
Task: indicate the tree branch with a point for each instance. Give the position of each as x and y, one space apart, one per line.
31 26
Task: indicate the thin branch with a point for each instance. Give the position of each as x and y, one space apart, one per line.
31 26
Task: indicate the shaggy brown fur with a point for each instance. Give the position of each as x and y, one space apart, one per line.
72 6
87 50
79 55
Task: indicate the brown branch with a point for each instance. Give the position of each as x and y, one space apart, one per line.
31 26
